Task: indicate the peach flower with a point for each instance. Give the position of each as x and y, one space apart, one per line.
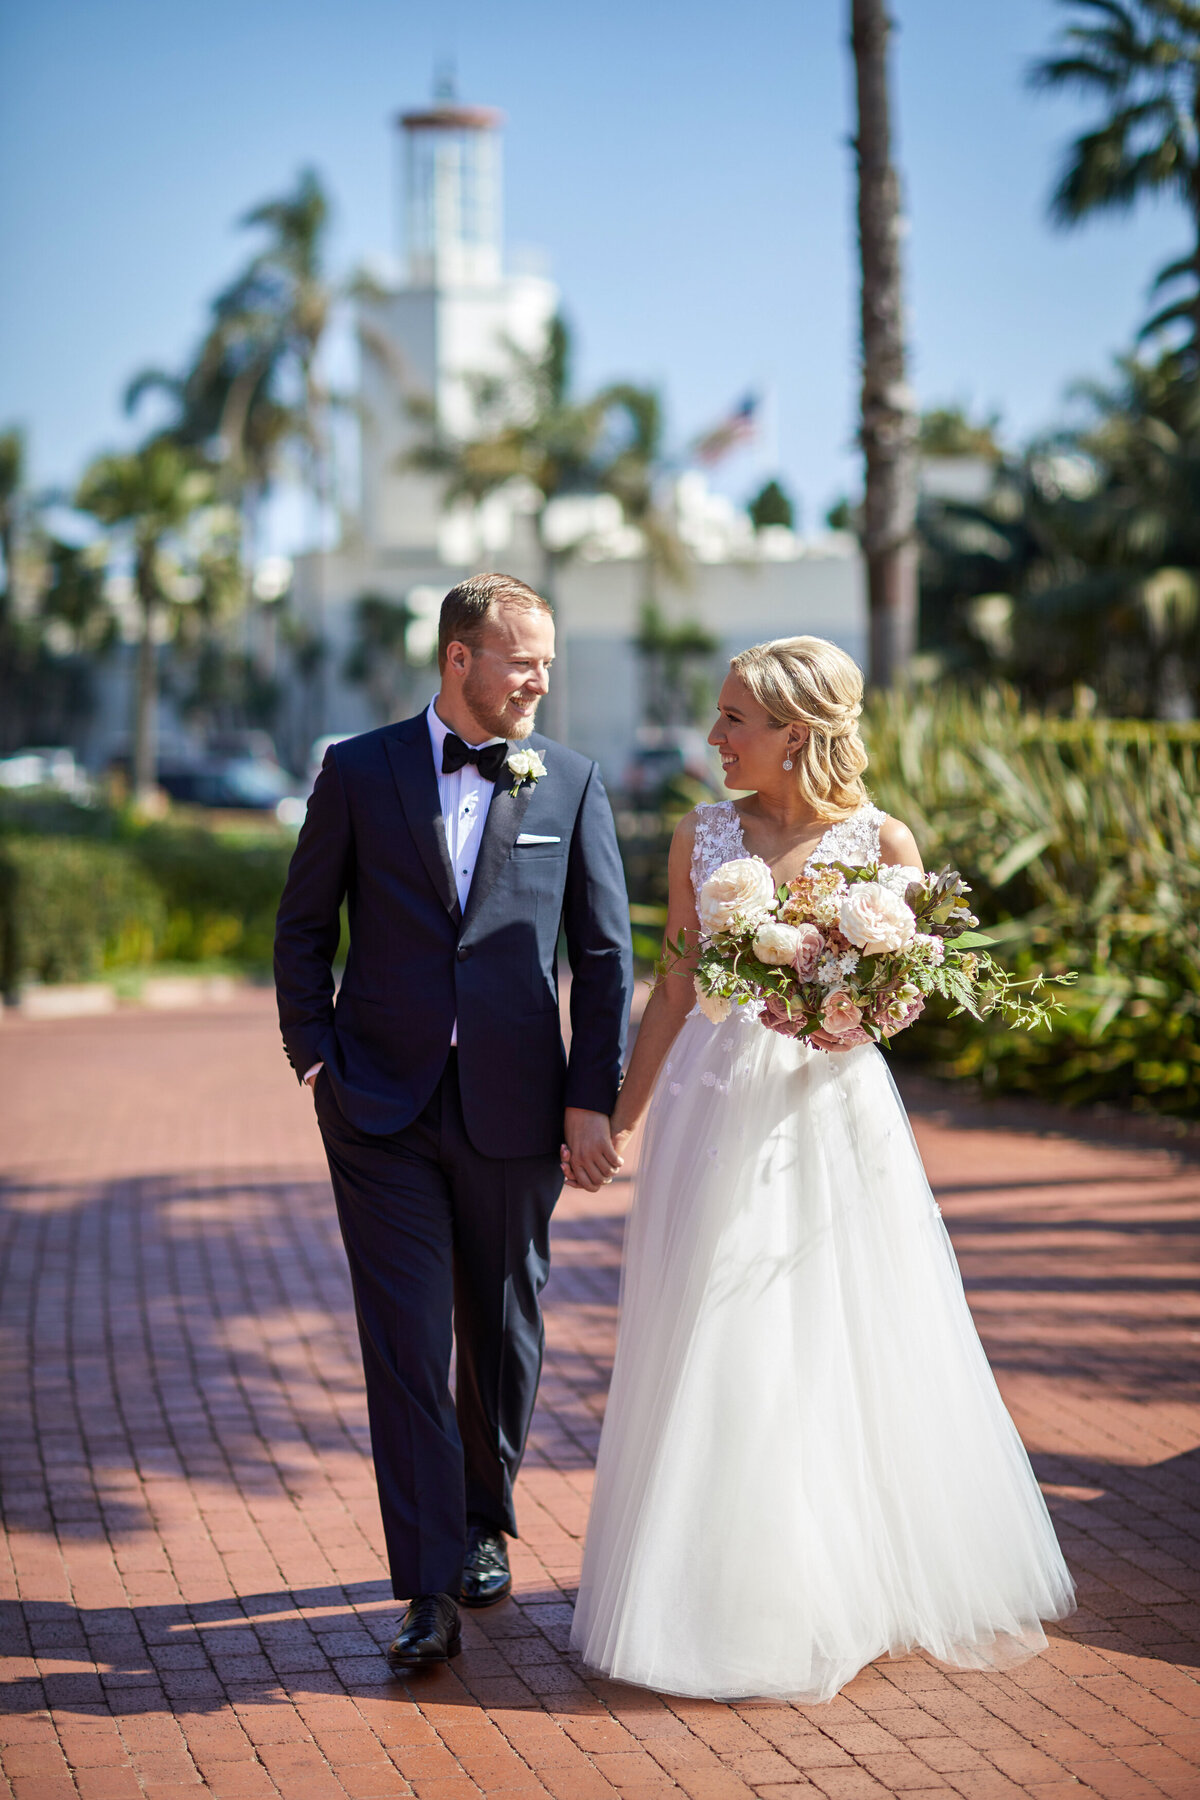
839 1013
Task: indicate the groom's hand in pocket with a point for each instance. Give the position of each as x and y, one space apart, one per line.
589 1158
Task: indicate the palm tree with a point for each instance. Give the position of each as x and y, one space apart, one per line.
1140 60
252 388
378 659
151 493
534 431
12 470
888 428
1121 597
281 304
253 391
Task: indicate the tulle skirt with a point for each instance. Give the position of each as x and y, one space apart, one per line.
805 1461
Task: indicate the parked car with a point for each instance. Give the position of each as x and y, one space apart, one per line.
662 754
45 767
240 783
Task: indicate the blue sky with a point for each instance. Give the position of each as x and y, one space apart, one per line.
685 167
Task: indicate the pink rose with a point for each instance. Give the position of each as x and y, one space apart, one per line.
839 1013
808 951
858 1034
774 1016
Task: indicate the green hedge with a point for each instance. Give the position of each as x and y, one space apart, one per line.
72 909
220 894
84 891
1081 840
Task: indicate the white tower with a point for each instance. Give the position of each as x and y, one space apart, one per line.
453 317
452 219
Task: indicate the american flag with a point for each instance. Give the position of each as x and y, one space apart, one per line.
737 427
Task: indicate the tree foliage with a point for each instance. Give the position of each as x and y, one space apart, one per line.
772 505
534 429
1138 62
1081 564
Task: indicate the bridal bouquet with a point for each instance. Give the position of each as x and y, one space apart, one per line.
849 951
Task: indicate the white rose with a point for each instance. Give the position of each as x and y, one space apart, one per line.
525 763
713 1006
876 919
739 889
776 943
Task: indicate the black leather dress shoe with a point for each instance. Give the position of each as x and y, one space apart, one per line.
429 1633
486 1576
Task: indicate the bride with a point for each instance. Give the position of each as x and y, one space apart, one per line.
805 1462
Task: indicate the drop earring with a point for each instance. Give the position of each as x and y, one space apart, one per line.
787 762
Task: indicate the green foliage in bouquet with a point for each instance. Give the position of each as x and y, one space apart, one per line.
1081 843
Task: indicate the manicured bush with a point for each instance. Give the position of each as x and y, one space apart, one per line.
88 889
70 909
220 891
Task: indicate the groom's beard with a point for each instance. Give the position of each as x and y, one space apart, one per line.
492 710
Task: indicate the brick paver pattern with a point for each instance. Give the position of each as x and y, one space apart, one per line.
194 1589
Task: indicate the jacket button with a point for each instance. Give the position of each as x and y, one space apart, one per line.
464 950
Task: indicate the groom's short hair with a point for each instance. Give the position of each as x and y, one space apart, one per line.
467 607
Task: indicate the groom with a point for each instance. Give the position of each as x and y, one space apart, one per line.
462 843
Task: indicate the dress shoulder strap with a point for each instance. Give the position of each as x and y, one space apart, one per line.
854 840
718 839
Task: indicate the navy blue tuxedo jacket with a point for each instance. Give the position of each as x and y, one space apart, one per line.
374 836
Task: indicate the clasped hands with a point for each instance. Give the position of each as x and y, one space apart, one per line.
591 1155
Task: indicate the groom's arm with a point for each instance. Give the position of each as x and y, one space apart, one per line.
308 924
596 923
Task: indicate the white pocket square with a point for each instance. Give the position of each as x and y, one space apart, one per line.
531 837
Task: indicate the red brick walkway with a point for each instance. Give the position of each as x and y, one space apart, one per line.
194 1597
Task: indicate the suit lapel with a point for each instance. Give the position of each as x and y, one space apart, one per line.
410 754
499 835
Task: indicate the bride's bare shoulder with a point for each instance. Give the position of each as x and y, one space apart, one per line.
897 843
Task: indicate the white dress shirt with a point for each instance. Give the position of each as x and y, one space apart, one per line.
465 798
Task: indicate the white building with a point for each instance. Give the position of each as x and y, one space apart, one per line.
427 343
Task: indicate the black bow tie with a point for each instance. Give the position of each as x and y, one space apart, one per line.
489 759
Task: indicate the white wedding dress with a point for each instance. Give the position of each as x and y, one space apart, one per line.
805 1461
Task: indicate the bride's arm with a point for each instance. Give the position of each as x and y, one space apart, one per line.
674 993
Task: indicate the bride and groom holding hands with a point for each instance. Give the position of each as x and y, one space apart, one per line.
805 1462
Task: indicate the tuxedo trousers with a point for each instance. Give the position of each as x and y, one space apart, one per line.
448 1250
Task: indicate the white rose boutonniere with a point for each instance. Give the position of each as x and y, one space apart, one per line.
526 768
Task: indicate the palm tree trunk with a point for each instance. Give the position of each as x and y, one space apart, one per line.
145 712
557 704
889 428
1194 209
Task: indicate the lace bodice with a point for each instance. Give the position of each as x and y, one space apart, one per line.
854 840
719 839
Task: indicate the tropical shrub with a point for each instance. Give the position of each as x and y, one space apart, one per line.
1081 839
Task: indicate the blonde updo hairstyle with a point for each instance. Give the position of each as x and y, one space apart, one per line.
809 681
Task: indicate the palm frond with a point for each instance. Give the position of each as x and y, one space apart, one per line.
1184 266
1180 312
